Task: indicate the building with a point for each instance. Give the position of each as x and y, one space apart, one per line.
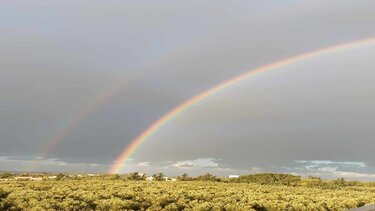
233 176
169 179
29 178
36 178
150 178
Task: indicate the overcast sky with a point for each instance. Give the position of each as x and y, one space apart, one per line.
313 117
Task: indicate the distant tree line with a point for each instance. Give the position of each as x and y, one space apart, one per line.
263 179
269 178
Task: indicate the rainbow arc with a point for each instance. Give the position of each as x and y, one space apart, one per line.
158 124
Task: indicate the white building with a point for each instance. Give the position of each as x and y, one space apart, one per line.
29 178
150 178
233 176
169 179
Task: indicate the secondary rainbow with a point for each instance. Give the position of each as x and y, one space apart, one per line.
101 99
63 132
131 148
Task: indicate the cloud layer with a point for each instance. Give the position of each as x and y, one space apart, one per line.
57 57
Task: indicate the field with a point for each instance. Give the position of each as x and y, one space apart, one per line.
104 193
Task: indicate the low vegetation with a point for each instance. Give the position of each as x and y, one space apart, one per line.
207 192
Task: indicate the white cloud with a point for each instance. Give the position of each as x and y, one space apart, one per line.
354 174
51 164
256 170
327 169
328 162
144 164
332 169
198 163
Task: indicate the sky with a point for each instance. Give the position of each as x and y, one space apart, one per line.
314 117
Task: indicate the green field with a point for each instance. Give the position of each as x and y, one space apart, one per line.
114 193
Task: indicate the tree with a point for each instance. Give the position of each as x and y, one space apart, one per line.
208 177
314 177
136 176
60 176
184 177
159 177
339 182
116 176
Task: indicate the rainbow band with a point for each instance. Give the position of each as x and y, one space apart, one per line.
60 134
130 149
63 132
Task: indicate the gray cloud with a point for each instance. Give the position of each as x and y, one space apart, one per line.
57 57
276 118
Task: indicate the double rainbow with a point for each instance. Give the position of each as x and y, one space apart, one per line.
132 147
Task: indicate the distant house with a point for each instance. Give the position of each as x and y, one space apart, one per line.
233 176
150 178
141 174
29 178
22 178
36 178
169 179
166 178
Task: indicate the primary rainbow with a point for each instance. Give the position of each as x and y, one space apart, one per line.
130 149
